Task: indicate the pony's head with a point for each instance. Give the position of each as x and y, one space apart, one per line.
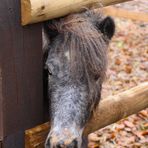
76 66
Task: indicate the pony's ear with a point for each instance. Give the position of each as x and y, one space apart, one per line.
50 29
107 27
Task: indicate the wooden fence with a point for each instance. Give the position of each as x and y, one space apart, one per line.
21 89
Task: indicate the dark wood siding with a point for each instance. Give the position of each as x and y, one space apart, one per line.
16 140
21 95
0 144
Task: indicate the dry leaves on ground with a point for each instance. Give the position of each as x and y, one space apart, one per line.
128 66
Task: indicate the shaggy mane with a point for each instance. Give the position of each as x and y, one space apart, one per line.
86 45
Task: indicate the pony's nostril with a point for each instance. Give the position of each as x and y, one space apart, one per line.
60 144
47 144
74 144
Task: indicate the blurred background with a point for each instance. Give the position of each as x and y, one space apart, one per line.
127 67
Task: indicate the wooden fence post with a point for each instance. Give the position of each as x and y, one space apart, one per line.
21 99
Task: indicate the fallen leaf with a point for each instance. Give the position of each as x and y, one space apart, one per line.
117 61
129 124
144 133
128 69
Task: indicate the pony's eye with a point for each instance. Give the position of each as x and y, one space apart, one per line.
48 70
96 77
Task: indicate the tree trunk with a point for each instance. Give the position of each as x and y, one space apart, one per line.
40 10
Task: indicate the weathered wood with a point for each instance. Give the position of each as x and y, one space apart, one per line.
110 110
119 12
117 107
35 137
40 10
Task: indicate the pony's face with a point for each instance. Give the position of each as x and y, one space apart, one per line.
76 65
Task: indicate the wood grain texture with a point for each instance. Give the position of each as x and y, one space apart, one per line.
15 140
110 110
35 137
119 12
40 10
21 95
117 107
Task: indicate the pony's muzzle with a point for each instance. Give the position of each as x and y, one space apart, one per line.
66 137
62 144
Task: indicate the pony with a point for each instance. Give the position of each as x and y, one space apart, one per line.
76 63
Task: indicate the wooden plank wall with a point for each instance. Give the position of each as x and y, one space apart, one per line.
21 95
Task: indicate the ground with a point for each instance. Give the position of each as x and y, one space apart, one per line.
128 67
